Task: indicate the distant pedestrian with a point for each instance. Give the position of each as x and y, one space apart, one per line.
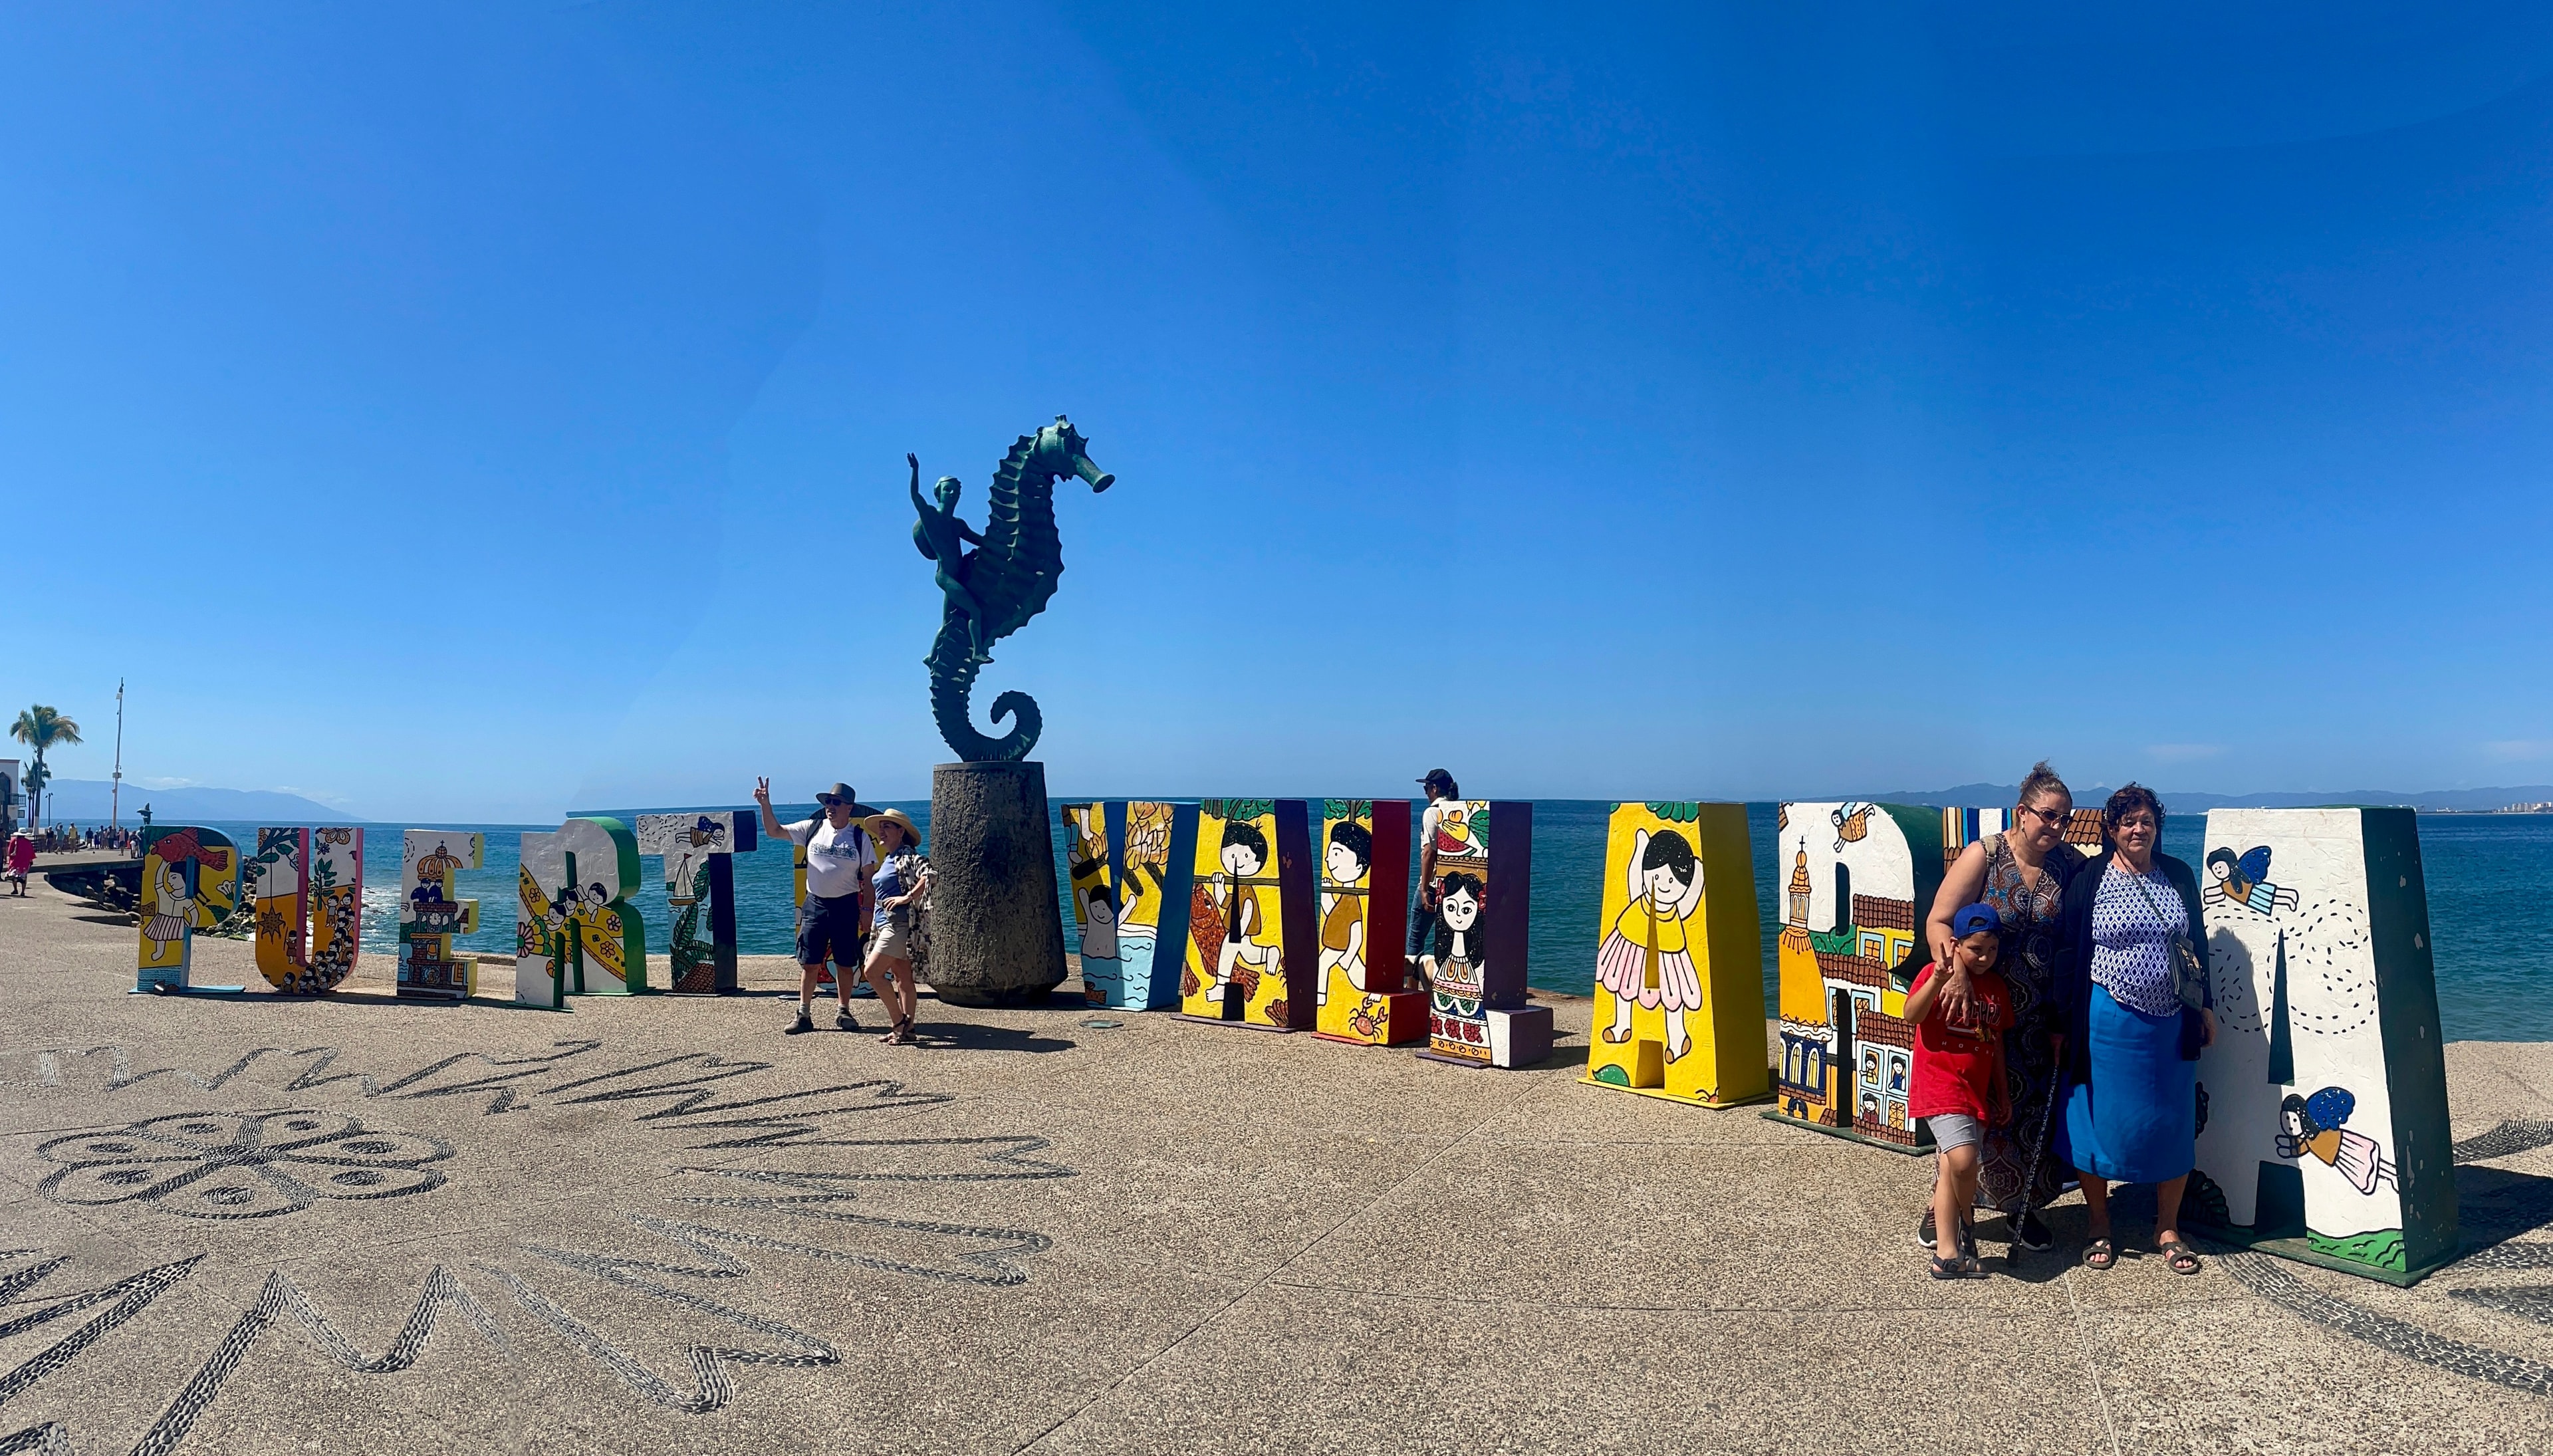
900 880
22 857
1423 921
840 858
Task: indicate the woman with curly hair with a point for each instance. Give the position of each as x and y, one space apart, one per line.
2132 975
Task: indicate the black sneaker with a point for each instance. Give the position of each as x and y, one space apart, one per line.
843 1022
804 1023
2030 1233
1923 1236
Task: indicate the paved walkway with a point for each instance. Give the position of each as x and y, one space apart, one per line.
661 1226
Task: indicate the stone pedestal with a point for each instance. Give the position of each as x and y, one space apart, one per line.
996 934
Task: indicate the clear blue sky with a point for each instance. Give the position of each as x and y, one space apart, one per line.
462 414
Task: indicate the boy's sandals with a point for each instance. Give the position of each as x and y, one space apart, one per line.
2178 1256
2100 1254
1960 1261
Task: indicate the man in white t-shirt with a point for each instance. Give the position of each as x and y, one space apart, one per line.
840 858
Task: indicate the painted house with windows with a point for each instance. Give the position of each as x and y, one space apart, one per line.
1848 952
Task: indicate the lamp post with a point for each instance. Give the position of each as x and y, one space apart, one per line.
114 789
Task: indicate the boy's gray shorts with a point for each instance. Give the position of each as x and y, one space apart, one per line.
1956 1129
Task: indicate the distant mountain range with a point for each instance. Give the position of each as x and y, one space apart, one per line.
2000 796
84 802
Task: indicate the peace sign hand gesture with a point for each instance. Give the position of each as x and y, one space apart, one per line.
762 791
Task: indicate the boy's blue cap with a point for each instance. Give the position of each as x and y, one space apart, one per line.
1970 919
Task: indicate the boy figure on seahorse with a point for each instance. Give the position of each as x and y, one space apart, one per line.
942 536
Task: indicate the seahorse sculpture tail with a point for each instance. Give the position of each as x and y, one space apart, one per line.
952 680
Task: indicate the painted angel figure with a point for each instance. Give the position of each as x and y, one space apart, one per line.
2242 881
2312 1127
1647 958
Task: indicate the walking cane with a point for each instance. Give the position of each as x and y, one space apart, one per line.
2029 1180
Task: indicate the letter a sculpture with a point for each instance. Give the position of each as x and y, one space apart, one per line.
1000 938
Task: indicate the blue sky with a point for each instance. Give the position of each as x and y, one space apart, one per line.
458 413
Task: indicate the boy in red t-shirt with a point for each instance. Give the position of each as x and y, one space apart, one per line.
1959 1088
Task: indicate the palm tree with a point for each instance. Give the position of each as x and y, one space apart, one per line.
40 727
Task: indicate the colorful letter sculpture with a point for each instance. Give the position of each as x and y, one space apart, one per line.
1848 951
575 886
1250 915
1679 961
1477 1015
309 890
700 852
1090 882
190 881
1364 890
2323 1100
432 912
1152 861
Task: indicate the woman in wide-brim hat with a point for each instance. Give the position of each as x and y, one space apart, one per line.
898 883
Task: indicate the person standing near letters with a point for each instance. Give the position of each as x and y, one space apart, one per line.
841 860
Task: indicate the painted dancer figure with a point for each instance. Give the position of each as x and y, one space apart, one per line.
167 922
1647 959
1245 918
941 536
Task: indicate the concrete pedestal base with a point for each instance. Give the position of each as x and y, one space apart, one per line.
996 935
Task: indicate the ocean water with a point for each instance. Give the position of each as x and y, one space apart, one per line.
2489 916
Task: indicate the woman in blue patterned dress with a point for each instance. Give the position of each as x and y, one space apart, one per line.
2022 872
2137 1018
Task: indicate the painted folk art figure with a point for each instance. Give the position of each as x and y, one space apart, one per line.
1363 882
1093 887
1250 915
1679 996
432 912
699 852
574 886
1151 857
1476 1014
1848 954
190 881
309 892
2244 880
2322 1129
991 591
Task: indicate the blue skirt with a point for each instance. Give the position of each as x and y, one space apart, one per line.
2136 1120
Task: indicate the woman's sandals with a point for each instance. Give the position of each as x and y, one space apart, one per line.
2178 1256
2100 1254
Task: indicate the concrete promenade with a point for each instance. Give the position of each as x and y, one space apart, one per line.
659 1225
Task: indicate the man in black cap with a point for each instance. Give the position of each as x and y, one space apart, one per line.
840 858
1440 786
